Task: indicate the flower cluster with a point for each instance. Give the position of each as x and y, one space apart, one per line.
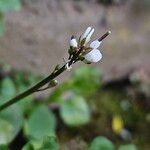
84 51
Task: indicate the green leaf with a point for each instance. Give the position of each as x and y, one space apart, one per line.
7 5
6 131
2 25
86 80
75 111
56 96
11 121
101 143
28 146
128 147
3 147
49 143
41 123
7 90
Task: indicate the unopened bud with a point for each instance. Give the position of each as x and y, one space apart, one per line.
73 43
53 83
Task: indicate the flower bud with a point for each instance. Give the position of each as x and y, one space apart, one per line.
73 43
53 83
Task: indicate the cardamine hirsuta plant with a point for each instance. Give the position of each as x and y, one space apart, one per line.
79 50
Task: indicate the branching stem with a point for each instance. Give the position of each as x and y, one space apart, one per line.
38 87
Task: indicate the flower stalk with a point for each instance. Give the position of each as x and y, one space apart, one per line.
78 51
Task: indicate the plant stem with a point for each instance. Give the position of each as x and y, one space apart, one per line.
37 87
33 89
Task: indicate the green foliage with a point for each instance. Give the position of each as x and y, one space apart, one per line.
75 111
3 147
86 80
5 6
101 143
11 121
71 98
28 146
47 143
41 123
127 147
7 89
22 82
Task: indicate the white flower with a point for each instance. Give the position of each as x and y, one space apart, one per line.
87 35
95 44
87 31
93 56
73 43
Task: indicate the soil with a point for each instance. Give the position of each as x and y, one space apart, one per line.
37 36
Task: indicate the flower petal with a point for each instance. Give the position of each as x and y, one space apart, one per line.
95 44
88 38
87 31
93 56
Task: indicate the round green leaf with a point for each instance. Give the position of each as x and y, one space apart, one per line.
6 130
86 80
101 143
128 147
41 123
75 111
11 121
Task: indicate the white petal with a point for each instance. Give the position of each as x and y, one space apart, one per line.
73 43
91 33
93 56
87 31
95 44
88 38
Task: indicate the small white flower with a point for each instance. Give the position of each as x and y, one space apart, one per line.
73 42
95 44
87 35
93 56
87 31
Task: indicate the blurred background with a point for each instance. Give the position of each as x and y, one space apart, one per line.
34 37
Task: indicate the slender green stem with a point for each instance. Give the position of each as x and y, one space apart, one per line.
39 85
33 89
